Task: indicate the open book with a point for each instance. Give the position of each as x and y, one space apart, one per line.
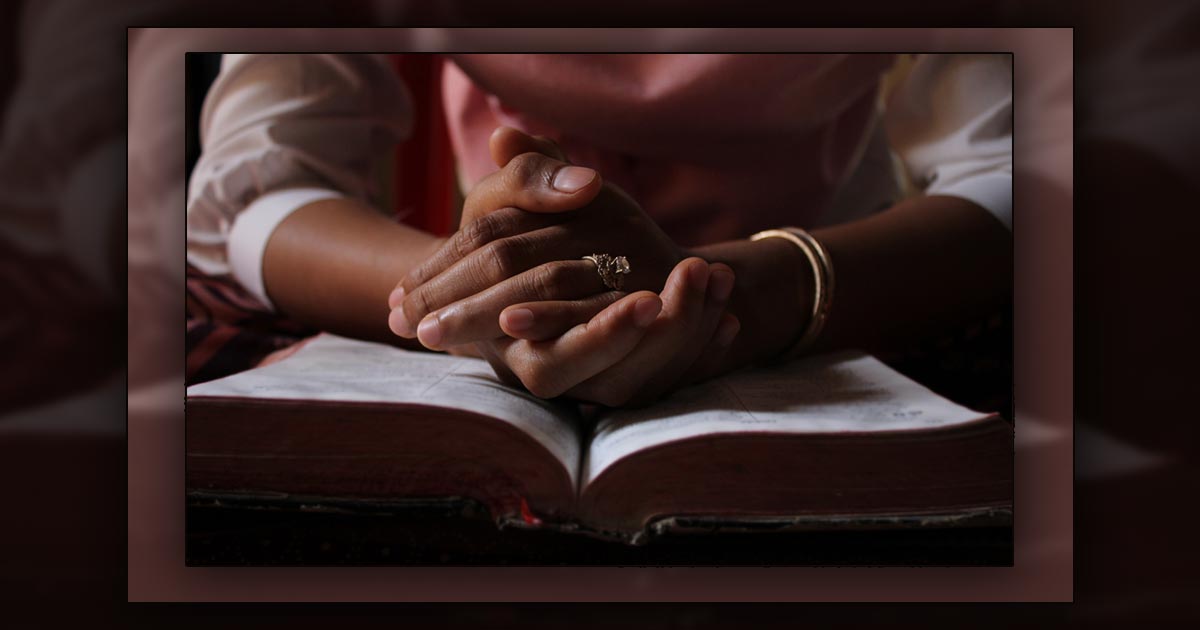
832 439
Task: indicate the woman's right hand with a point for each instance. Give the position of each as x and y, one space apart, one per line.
630 353
600 346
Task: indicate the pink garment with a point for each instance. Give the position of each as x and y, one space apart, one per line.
714 147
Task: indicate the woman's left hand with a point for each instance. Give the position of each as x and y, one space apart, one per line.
523 240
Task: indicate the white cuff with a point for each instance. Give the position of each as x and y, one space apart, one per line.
992 190
253 226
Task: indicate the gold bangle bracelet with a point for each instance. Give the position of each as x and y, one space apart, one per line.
822 266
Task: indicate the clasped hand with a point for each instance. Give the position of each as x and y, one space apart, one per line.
512 282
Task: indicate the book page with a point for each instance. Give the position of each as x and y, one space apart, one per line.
332 368
847 392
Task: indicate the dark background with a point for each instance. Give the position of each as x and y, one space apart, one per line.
202 69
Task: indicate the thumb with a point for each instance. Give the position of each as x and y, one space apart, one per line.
535 183
507 143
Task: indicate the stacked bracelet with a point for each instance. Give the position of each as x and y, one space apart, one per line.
822 267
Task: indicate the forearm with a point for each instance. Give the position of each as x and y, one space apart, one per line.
920 268
332 263
923 268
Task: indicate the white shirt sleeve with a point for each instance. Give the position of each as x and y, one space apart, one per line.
950 123
280 131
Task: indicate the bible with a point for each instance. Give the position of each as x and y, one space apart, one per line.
838 440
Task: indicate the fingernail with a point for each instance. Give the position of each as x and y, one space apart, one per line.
698 275
728 330
570 179
720 285
518 319
396 297
430 331
645 311
399 323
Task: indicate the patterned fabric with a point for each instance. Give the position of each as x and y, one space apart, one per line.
228 330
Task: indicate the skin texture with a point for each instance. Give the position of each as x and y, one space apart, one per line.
510 283
613 367
332 263
466 292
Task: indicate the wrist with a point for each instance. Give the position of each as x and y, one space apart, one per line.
786 295
822 282
772 297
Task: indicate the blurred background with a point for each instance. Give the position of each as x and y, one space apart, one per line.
87 108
